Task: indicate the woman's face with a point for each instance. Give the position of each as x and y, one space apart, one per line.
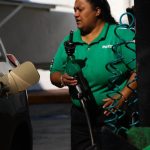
85 15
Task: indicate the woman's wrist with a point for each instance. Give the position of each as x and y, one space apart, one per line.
61 81
124 97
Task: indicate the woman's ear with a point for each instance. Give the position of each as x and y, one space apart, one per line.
98 11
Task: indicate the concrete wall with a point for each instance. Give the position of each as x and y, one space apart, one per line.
34 33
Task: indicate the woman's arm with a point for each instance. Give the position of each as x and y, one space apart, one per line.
126 92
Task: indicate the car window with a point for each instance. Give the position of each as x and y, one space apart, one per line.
2 49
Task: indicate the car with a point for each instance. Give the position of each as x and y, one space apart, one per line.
15 123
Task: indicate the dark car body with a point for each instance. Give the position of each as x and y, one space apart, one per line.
15 123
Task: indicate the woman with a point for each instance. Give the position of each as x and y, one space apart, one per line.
94 40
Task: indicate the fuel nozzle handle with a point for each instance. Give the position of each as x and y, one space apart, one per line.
69 45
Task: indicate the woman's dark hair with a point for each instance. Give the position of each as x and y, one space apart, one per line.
105 10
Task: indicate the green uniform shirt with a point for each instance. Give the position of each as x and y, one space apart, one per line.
98 56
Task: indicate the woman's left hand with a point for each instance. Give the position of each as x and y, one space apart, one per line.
108 102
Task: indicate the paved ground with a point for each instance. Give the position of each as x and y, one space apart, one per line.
50 115
51 126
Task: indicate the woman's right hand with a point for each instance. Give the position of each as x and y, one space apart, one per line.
68 80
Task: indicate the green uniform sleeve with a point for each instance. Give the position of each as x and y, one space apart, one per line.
59 61
129 54
128 48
